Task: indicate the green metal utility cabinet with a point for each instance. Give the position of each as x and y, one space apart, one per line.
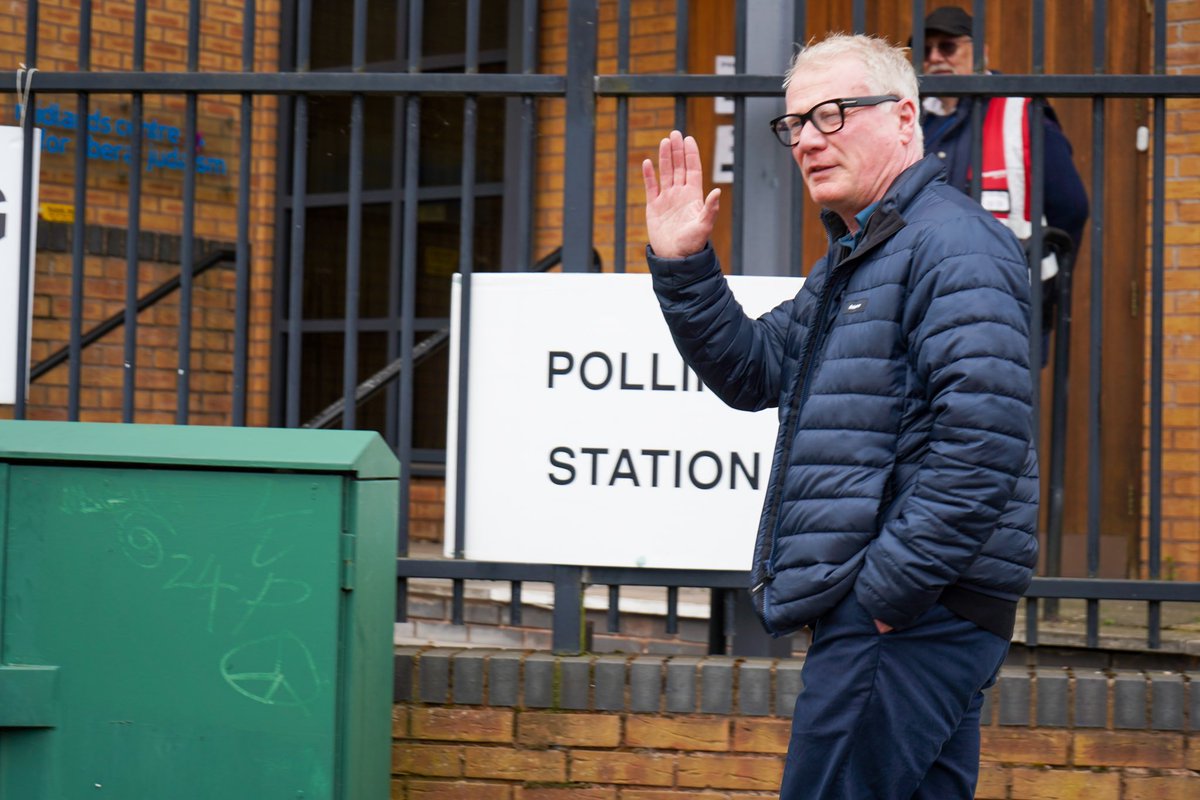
195 612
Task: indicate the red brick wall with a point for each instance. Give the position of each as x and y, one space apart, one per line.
511 754
102 373
451 751
1181 345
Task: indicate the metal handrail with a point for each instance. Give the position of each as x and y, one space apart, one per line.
118 319
376 382
555 257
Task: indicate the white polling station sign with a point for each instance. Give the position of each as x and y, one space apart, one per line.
11 158
588 441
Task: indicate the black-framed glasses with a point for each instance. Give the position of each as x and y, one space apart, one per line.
828 116
946 47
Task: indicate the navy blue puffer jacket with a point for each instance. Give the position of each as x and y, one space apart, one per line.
904 463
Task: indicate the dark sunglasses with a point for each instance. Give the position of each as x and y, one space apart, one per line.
946 47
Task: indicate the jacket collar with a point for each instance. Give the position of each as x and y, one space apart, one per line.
889 215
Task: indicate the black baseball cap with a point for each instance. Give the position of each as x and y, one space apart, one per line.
949 19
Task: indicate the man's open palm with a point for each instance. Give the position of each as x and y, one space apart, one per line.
679 218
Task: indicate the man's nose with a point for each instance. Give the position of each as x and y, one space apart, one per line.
810 138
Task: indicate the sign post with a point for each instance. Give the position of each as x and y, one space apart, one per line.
12 153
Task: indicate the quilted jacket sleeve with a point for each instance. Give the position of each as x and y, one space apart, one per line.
738 358
967 323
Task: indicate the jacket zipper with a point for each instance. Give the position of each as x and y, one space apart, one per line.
798 396
882 231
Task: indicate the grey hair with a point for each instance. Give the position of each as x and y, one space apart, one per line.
888 68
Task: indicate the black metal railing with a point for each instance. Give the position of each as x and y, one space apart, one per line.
569 582
411 85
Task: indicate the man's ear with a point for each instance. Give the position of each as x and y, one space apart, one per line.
909 115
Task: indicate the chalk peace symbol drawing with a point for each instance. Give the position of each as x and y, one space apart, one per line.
277 670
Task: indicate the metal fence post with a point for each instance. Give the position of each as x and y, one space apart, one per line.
580 179
568 610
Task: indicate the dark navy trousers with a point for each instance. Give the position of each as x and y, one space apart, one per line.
891 716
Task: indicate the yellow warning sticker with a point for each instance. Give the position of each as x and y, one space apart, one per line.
56 212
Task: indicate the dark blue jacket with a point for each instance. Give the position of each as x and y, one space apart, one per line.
904 464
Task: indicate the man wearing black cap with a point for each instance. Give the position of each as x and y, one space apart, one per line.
949 50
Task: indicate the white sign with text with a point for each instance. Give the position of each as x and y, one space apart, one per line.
588 441
11 159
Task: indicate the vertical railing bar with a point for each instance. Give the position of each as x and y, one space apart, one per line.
79 225
799 31
241 338
241 313
1095 357
1157 291
1160 37
622 154
580 179
730 600
134 222
672 610
401 614
1093 624
1096 341
395 226
354 224
408 278
299 203
974 184
26 264
514 609
917 53
280 239
525 155
1037 198
682 24
187 244
737 190
466 251
979 67
979 35
859 16
1038 38
567 634
1031 622
457 601
614 608
1059 407
1037 206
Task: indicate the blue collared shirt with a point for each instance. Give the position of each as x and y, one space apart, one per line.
850 240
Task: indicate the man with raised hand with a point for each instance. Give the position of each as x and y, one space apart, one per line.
899 519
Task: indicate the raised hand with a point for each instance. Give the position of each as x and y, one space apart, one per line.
679 218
